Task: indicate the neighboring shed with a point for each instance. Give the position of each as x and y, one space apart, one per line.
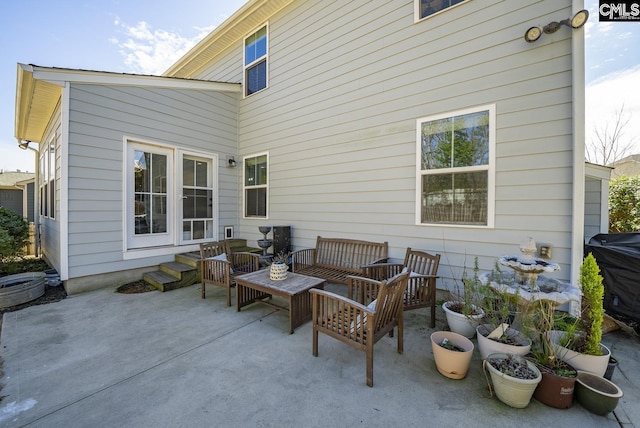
596 200
16 192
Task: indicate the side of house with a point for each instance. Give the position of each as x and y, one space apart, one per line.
340 102
132 170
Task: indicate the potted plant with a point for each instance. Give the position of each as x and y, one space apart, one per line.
558 377
463 312
498 333
580 344
513 378
452 353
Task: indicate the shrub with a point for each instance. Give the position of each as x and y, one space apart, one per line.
624 204
14 234
592 312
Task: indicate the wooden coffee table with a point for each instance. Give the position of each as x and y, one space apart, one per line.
257 287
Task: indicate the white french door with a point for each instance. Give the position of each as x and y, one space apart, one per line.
163 210
198 208
150 220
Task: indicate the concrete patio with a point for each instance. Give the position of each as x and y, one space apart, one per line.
174 360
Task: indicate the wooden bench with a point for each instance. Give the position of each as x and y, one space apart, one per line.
333 259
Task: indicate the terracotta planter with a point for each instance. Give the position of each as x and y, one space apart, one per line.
488 346
510 390
596 364
460 323
451 364
555 390
596 394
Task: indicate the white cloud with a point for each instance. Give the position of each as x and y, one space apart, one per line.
150 51
606 96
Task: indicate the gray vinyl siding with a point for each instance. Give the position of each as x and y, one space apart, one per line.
50 227
347 81
101 117
592 207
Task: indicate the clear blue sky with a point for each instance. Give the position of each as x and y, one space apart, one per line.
143 36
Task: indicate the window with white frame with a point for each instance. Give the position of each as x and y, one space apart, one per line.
255 61
256 190
456 168
425 8
47 185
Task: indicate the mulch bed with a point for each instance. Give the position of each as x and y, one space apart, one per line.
135 287
51 295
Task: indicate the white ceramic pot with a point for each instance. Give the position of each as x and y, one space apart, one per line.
451 364
596 364
510 390
460 323
488 346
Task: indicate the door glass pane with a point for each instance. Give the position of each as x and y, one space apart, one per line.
202 174
198 230
150 193
186 230
187 168
159 214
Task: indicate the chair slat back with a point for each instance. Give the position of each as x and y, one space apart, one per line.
212 249
390 299
421 262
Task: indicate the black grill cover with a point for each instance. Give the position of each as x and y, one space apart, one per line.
618 256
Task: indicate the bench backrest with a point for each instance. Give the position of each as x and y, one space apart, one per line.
348 254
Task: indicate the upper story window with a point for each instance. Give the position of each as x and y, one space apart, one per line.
255 61
456 168
425 8
256 190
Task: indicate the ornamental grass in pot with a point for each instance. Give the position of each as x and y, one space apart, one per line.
557 386
464 312
501 327
513 378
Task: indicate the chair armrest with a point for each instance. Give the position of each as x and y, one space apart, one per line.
348 303
301 259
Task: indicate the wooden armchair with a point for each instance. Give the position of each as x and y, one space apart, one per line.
356 324
421 287
220 266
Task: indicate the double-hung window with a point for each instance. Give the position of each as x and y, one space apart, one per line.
455 183
255 61
425 8
256 189
47 179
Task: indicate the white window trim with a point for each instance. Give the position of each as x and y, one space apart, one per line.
491 168
416 10
257 60
244 187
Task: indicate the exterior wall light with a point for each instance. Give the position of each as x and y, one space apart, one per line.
231 162
578 20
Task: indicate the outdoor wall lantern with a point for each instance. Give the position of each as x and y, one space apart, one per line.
231 162
578 20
